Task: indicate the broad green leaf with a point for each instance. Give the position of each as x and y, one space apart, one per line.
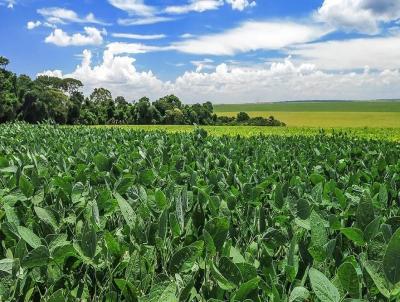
218 229
299 294
26 186
230 271
391 261
303 209
319 237
365 212
36 258
102 162
374 270
30 238
349 279
6 265
184 259
161 200
372 229
221 280
89 240
354 234
246 288
128 290
165 292
323 287
126 210
47 217
316 178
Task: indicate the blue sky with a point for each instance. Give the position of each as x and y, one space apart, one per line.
226 51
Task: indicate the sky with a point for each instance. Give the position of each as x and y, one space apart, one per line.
223 51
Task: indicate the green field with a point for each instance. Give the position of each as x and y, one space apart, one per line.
325 106
113 214
378 114
392 134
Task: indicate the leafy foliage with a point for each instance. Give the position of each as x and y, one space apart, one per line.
109 214
61 101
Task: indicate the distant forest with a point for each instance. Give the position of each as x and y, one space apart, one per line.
62 101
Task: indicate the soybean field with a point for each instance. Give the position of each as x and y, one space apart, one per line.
122 214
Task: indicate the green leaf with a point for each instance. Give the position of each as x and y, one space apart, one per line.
89 240
230 271
391 260
365 212
323 287
161 200
29 237
126 210
47 217
372 229
26 186
383 195
218 229
316 178
374 269
102 162
184 259
319 237
128 290
299 294
354 234
164 292
36 258
246 288
221 280
349 279
303 209
279 200
57 296
6 265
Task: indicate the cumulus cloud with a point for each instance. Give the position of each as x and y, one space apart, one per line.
33 24
251 36
364 16
92 36
275 81
138 36
241 4
58 15
135 7
377 53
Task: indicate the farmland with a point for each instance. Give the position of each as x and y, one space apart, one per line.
113 214
323 114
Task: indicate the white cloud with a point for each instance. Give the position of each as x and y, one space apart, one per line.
252 36
58 15
9 3
118 74
33 24
92 36
187 36
377 53
136 7
144 21
195 6
241 4
117 48
138 36
268 82
364 16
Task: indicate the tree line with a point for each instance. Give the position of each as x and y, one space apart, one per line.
61 101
